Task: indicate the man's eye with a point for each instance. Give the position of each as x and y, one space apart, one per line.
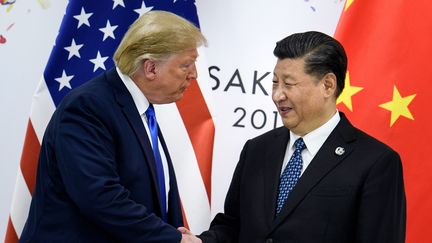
186 65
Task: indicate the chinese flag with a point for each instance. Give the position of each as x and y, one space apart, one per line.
388 90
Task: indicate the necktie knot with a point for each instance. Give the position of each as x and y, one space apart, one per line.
299 144
150 112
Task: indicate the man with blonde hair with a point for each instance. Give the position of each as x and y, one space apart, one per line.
104 172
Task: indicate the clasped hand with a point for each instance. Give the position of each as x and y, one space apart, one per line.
187 236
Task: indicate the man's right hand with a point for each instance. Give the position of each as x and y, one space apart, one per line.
188 237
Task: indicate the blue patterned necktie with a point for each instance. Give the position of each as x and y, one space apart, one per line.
290 175
153 127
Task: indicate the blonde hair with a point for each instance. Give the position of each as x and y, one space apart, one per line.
155 35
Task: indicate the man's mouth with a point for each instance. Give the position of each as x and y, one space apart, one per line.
284 109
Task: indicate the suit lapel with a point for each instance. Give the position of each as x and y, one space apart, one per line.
324 161
130 111
272 169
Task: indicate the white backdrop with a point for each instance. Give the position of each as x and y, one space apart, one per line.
241 34
29 39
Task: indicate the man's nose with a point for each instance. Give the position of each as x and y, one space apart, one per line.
278 94
193 74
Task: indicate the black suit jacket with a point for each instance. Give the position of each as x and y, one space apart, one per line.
357 196
96 179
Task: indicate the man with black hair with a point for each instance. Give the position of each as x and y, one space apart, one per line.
317 178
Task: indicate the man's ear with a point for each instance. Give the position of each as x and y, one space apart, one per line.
329 83
149 68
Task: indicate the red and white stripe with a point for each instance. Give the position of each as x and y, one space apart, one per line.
42 109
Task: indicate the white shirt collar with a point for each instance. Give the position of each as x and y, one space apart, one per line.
138 97
315 139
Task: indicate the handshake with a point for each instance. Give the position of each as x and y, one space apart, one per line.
187 236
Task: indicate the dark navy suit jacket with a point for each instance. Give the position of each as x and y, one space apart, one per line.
96 179
352 197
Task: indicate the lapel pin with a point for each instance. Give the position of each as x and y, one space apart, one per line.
339 151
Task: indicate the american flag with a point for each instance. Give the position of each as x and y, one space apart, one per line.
88 36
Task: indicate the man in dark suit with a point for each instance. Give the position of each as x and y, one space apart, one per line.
318 178
104 172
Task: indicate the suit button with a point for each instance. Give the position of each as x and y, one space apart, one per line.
269 240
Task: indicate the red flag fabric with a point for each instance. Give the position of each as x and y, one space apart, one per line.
387 90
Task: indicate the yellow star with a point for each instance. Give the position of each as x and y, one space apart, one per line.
398 106
348 4
347 93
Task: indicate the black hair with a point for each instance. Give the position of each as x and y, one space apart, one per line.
322 54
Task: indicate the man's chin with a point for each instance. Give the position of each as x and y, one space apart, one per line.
177 98
288 124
